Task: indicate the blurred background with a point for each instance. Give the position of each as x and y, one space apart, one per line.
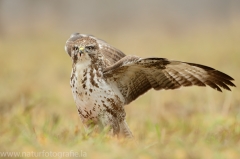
36 105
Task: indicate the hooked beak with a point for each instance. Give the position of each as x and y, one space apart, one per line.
81 51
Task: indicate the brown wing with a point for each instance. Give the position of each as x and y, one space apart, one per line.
111 54
134 76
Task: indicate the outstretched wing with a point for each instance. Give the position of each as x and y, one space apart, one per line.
134 76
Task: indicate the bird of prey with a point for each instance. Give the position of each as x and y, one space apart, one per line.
104 80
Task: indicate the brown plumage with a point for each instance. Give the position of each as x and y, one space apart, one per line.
137 75
104 79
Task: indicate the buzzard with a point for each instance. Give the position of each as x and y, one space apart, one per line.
104 79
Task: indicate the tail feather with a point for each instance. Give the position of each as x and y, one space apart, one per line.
124 130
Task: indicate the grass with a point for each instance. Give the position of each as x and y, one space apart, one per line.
37 112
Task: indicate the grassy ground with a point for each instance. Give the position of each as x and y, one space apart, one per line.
37 112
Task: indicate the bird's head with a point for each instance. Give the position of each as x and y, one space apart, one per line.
81 47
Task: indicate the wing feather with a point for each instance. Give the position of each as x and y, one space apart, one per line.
110 53
134 76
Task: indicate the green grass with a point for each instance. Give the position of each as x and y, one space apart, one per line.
37 111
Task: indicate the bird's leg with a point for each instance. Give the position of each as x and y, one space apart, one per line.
108 120
91 126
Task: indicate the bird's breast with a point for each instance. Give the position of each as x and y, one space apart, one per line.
92 94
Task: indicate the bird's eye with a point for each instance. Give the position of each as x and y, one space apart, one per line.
75 48
90 47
